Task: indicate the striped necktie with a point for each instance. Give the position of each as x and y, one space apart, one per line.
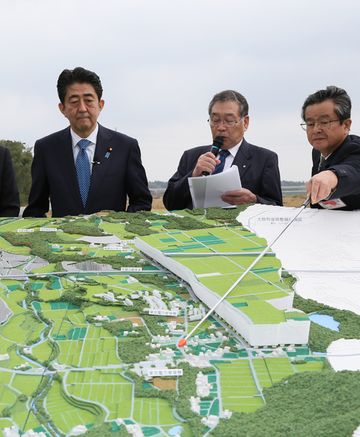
322 163
83 170
222 156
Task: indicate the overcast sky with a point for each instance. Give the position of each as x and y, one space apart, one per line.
161 61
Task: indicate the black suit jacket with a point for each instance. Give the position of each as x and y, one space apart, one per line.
258 168
112 179
345 162
9 193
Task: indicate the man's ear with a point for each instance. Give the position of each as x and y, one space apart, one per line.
246 122
61 108
347 124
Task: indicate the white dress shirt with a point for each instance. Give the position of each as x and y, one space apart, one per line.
230 158
90 150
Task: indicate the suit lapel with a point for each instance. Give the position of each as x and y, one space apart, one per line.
102 159
243 158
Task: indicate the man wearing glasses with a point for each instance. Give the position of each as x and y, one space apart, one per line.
335 181
258 167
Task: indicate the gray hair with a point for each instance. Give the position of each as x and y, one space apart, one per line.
231 96
339 96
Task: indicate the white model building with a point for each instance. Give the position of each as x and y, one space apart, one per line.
290 331
108 296
203 387
168 313
164 372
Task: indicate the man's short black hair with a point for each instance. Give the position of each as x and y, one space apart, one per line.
231 96
78 75
339 96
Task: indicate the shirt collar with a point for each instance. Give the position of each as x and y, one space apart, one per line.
92 137
233 151
325 157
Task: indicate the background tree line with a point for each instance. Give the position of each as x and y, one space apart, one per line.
22 158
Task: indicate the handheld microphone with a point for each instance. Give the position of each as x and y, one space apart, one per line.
215 149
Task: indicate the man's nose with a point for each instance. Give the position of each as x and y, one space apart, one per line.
82 106
221 126
317 126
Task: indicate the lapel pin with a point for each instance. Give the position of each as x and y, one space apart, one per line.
244 165
107 154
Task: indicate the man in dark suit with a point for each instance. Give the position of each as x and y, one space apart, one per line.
86 167
9 193
335 181
258 167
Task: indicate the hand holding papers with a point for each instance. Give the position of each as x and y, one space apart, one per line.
207 191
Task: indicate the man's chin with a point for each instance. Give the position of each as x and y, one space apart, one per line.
320 145
227 144
84 127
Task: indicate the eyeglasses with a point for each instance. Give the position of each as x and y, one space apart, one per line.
323 124
215 122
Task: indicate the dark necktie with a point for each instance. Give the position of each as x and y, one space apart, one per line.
222 156
322 163
83 170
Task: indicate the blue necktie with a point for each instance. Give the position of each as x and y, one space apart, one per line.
83 170
222 156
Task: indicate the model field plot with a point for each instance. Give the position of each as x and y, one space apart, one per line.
22 328
92 310
67 412
153 412
99 348
41 351
7 396
104 387
13 296
238 388
10 248
25 384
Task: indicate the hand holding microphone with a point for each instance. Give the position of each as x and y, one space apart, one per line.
207 162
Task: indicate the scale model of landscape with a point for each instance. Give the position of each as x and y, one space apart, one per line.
92 309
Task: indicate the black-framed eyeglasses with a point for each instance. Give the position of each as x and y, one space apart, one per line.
215 122
324 124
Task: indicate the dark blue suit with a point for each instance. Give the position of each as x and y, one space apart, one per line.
258 168
113 178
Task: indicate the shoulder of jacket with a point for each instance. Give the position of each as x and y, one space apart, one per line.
258 149
112 134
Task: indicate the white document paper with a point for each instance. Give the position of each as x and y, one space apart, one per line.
206 191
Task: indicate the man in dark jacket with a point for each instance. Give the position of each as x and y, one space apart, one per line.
335 181
86 167
258 167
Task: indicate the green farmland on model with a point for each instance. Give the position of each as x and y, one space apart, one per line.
90 324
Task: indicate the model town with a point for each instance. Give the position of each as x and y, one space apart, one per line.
92 309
